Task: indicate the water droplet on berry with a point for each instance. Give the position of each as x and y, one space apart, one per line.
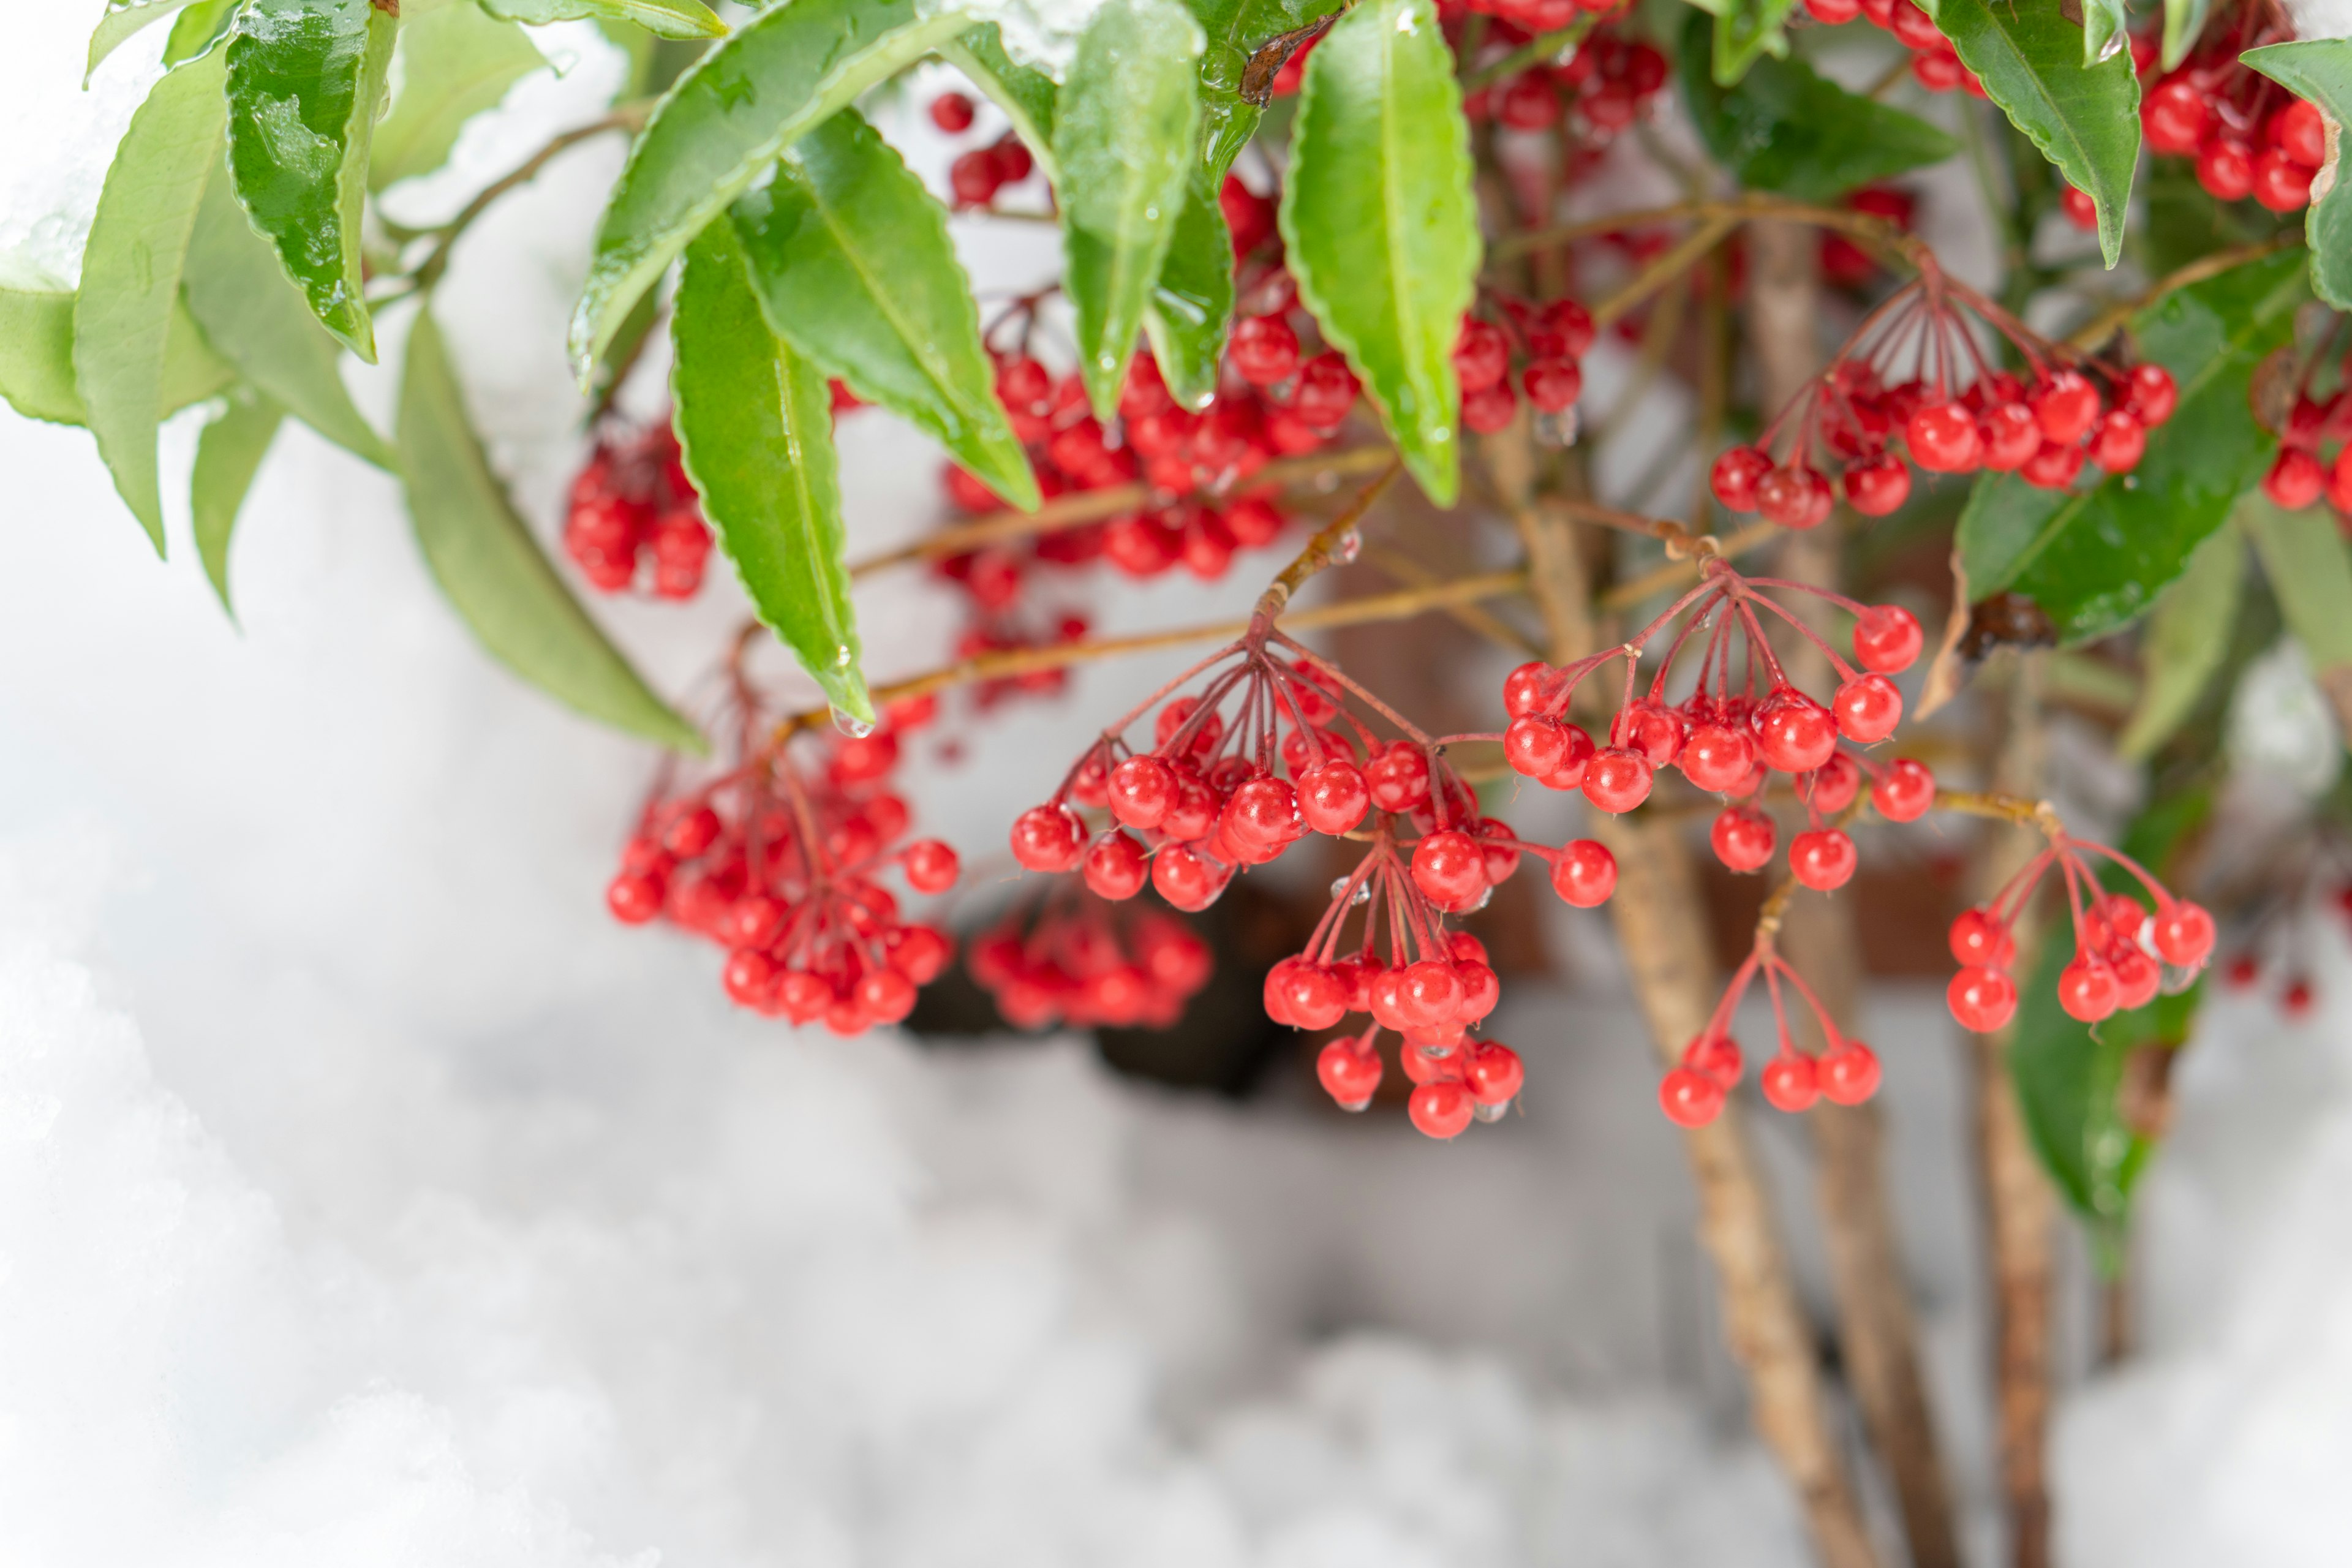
1363 891
1485 898
1494 1112
856 729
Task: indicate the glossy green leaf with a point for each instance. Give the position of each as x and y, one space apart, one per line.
492 570
228 454
131 275
1124 140
453 63
2310 576
1193 303
2094 558
36 372
1237 30
305 81
199 27
2321 70
851 259
2188 639
2085 118
724 124
755 421
1746 31
1787 129
122 22
2183 20
2067 1075
1380 221
260 321
1028 97
663 18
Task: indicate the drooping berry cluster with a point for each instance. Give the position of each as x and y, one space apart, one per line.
1744 721
2304 472
777 860
2125 953
2250 136
1073 958
1934 64
979 176
1601 87
1545 341
1952 412
632 504
1847 1071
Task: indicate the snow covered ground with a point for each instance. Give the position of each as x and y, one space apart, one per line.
366 1197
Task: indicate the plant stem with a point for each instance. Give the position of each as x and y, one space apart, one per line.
628 117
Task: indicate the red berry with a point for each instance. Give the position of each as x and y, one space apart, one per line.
1943 437
2298 131
2138 979
1716 1055
1140 790
1116 867
1490 408
1690 1098
1482 355
1264 812
951 112
747 976
1585 874
2052 467
2295 479
931 866
1905 792
2009 436
1348 1074
2119 442
1794 497
635 897
2226 169
1794 733
1012 159
1717 759
693 833
973 178
1398 778
2184 935
1617 780
1790 1082
1831 786
1326 390
1566 327
1743 837
1938 70
1333 796
1656 732
1535 745
1533 688
1736 475
755 921
1048 838
2281 183
1912 28
1495 1074
1263 349
1185 878
2087 989
2150 393
1823 859
1849 1074
1312 995
1981 999
1529 102
2295 1000
1480 989
1886 638
2080 209
1553 385
1428 993
2066 406
1979 941
1441 1110
2174 117
1833 13
1868 709
1877 485
1449 868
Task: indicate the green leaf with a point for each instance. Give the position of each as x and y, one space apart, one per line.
1124 140
491 569
1745 31
2067 1074
2083 117
2304 557
199 27
724 124
1237 30
453 63
1028 97
305 81
2095 558
2321 70
2187 641
1787 129
260 322
228 454
2106 25
1194 300
1380 221
120 25
2183 20
663 18
131 275
755 421
851 260
36 374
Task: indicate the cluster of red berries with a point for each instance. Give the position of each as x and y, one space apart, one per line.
976 177
1546 340
2296 998
2250 136
1081 960
634 503
1952 414
1603 86
2124 954
776 859
1934 65
2301 473
1728 737
1845 1073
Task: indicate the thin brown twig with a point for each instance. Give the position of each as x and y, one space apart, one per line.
1663 268
1541 47
629 116
1677 573
1865 228
1328 545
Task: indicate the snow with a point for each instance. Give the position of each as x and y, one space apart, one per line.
367 1198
